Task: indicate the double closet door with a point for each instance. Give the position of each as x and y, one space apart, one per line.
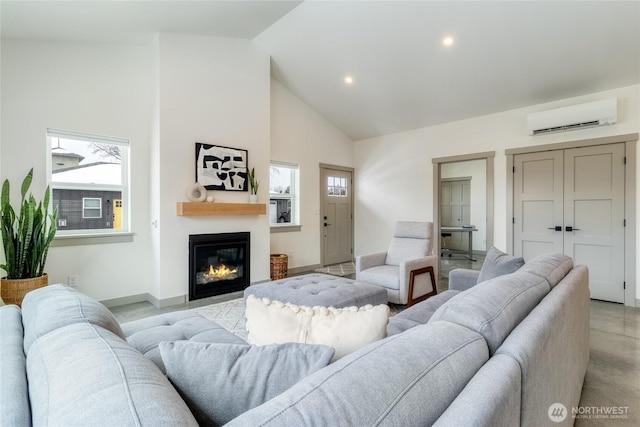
572 201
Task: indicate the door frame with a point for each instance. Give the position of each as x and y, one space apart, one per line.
321 170
437 164
630 141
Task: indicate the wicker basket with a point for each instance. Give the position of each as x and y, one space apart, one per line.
14 290
279 266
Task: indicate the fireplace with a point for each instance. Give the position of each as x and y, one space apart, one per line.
218 264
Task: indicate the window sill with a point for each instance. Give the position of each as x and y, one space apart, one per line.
91 239
285 228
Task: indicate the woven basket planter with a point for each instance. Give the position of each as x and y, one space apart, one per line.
14 290
279 266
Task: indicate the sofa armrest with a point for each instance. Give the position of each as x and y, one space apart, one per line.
14 389
415 264
370 260
425 271
461 279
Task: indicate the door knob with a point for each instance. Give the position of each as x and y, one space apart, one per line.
325 224
569 229
556 228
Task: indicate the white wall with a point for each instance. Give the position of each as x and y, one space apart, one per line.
398 172
300 135
163 97
94 88
476 170
214 91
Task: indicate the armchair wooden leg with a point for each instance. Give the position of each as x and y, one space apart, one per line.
412 275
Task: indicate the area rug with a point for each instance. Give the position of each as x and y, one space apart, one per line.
342 270
230 315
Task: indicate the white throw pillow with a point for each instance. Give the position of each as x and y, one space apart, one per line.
345 329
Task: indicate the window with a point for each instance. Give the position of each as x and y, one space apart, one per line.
337 187
91 207
283 194
89 182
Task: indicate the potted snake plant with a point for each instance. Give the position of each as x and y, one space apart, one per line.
254 184
26 236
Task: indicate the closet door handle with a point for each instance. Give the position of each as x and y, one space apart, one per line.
569 229
556 228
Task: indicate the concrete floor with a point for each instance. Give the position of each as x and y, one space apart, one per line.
613 374
612 382
140 310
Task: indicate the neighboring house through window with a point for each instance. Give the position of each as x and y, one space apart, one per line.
283 194
91 207
89 182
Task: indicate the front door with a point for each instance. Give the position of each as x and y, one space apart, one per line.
572 201
337 215
117 213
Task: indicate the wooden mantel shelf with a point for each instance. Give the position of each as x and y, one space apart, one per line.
218 208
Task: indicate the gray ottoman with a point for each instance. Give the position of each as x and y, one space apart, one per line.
320 290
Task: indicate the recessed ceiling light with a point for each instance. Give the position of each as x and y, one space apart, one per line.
447 41
348 80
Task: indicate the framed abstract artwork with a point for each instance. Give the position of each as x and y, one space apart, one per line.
221 168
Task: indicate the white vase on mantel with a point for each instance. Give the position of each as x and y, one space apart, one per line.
253 198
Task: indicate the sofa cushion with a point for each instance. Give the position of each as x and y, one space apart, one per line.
14 410
54 306
418 314
401 250
403 380
461 279
552 267
221 381
493 308
83 375
497 263
345 329
387 276
146 334
411 240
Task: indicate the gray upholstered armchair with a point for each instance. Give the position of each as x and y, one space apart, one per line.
407 269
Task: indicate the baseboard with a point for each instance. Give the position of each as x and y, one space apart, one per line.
158 303
115 302
304 269
167 302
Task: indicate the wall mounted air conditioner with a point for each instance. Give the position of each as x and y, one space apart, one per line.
597 113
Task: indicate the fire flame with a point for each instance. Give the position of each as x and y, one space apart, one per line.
221 271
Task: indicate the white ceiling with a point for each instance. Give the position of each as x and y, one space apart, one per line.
507 54
127 21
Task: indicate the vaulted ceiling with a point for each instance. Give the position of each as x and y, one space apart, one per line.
504 54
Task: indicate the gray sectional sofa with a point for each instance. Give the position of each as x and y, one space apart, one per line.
497 354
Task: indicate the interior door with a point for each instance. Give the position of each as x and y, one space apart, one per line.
538 204
337 216
594 216
455 210
572 201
